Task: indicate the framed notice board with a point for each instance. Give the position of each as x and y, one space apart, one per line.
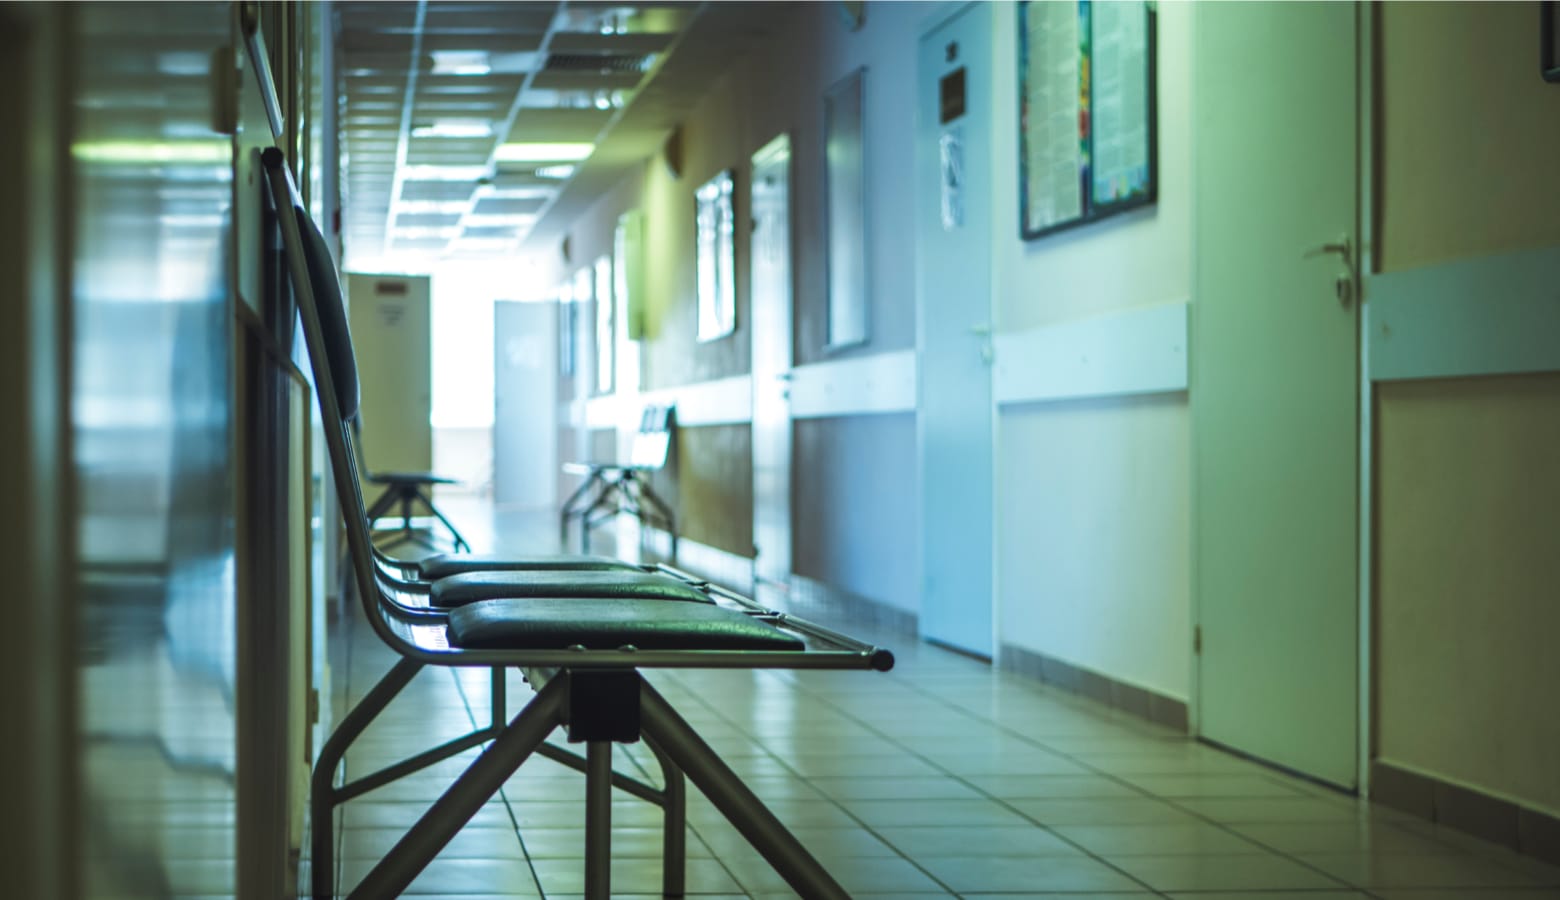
1086 111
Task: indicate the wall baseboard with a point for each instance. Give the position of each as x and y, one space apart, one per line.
813 599
1141 702
1482 815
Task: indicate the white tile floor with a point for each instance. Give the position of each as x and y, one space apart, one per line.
940 778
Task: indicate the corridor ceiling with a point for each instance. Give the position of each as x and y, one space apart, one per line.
484 129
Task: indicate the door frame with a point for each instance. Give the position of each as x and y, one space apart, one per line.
1367 19
774 147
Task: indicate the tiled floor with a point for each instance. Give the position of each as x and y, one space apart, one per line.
940 778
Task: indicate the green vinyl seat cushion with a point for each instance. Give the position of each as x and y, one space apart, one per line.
459 590
446 564
607 624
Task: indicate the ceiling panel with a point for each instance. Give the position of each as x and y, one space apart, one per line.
559 125
427 220
507 206
586 81
435 190
614 75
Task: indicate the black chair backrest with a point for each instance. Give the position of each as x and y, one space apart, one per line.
320 306
333 315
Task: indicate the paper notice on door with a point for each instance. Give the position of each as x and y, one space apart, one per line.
951 151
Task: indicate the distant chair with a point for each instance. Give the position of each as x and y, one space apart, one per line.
613 488
405 489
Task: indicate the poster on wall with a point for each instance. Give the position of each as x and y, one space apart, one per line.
1086 111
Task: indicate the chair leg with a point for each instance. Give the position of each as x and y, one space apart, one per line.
382 504
450 813
598 820
674 824
406 508
596 512
459 541
569 510
322 793
735 801
663 510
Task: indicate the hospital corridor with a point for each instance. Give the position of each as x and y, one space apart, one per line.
890 449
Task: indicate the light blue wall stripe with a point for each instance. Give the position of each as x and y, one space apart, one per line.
1132 351
1495 315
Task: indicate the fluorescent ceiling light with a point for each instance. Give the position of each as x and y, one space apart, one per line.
153 152
481 244
557 172
515 63
191 220
445 173
418 233
517 192
461 62
544 152
436 207
454 128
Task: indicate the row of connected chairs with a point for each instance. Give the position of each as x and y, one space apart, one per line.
614 488
580 629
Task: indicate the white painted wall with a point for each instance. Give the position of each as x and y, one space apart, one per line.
1093 526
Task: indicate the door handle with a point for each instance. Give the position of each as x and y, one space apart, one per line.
1343 248
981 330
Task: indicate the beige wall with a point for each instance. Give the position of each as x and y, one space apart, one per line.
778 87
1467 506
1092 502
1468 569
1469 133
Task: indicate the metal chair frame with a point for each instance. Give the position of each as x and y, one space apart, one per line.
407 494
609 491
418 634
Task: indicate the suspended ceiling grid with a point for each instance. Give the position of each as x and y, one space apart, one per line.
433 91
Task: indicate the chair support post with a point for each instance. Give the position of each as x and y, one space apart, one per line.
620 781
736 802
598 820
498 701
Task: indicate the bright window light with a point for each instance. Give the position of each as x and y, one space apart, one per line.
544 152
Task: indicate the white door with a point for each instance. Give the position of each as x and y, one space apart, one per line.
1274 383
953 306
525 404
771 293
392 334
